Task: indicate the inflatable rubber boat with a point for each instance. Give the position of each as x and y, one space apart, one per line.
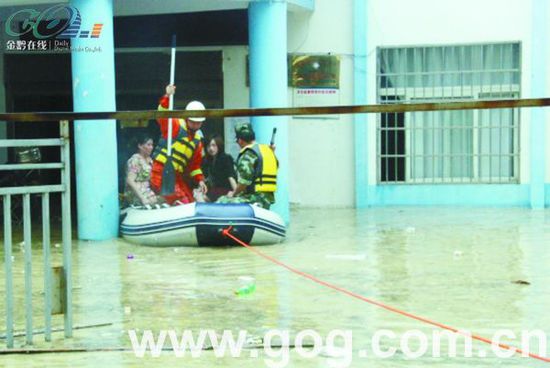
197 224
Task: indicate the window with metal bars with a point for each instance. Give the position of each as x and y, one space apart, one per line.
465 146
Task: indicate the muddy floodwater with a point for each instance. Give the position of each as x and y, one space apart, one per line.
479 270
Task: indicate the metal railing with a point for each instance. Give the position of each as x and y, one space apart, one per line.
288 111
44 191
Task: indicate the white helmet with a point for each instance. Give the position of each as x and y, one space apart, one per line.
195 106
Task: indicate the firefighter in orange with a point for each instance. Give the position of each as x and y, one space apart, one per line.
187 152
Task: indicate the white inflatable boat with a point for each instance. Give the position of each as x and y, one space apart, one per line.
197 224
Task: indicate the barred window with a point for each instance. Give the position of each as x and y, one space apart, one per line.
465 146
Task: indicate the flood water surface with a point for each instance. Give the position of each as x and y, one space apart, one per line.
480 270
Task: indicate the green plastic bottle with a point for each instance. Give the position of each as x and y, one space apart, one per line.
248 288
245 290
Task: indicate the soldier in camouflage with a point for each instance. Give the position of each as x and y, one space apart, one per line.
256 171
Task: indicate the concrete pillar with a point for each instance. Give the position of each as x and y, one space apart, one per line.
269 84
93 72
360 98
539 88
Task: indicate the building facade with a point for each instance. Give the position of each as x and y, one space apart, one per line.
235 54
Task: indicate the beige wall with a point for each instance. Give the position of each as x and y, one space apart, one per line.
236 93
322 150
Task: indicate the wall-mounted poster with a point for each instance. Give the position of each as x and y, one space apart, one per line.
315 71
309 71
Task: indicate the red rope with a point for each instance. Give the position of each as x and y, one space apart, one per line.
227 233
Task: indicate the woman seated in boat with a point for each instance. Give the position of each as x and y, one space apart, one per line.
138 191
219 170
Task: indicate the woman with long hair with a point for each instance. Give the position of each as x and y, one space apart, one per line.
219 170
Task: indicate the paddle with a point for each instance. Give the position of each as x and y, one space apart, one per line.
168 172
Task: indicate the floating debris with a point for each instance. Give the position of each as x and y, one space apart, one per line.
130 256
521 282
245 290
255 341
248 285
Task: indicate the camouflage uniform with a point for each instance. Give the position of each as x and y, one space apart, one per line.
245 173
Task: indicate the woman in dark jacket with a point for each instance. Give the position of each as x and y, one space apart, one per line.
218 168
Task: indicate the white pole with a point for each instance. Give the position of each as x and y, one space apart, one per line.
171 100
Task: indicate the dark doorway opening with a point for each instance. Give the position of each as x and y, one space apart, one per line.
38 82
